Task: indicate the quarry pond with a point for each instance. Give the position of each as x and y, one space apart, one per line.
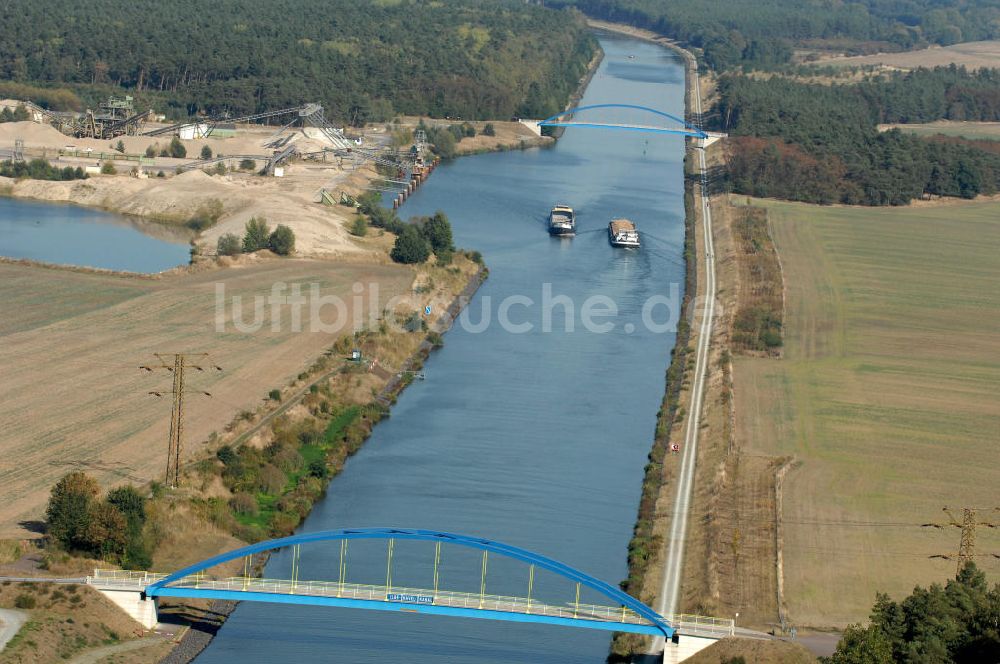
84 237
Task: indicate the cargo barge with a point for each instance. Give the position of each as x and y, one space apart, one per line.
562 221
622 233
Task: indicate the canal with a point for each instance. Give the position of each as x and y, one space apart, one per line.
73 235
535 437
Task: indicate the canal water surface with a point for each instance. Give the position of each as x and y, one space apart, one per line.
534 438
72 235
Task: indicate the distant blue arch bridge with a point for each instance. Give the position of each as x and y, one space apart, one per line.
634 118
622 613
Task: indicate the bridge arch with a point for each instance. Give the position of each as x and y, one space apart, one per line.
686 128
492 546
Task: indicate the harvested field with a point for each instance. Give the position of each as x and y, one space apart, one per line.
73 398
974 55
973 131
886 397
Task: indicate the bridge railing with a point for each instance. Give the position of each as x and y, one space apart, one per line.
123 578
509 604
688 623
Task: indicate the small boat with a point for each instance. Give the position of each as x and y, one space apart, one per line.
622 233
562 221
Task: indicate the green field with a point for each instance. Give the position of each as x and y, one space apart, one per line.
984 131
887 396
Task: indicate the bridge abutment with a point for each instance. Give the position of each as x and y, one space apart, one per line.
686 647
143 611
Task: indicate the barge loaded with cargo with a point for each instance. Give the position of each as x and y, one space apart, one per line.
622 233
562 221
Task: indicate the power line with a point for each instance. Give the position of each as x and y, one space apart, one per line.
177 367
967 539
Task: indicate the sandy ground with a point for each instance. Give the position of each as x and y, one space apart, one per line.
10 623
290 200
73 398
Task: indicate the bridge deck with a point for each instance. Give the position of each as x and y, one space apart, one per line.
203 586
683 131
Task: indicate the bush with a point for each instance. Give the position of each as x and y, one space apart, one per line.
272 480
229 245
24 601
443 141
317 468
468 131
489 130
120 146
244 503
256 235
220 169
206 215
177 149
161 174
151 151
287 458
108 168
206 152
132 504
274 395
359 226
226 455
282 240
247 164
410 247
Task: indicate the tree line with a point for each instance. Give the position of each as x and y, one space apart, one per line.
959 622
40 169
416 239
761 33
364 60
821 144
257 235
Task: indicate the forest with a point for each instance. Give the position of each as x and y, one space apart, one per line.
954 623
821 143
761 33
364 60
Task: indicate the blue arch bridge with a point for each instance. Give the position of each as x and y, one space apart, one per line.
627 117
137 592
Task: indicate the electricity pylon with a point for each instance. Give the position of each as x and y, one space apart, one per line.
967 540
177 366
